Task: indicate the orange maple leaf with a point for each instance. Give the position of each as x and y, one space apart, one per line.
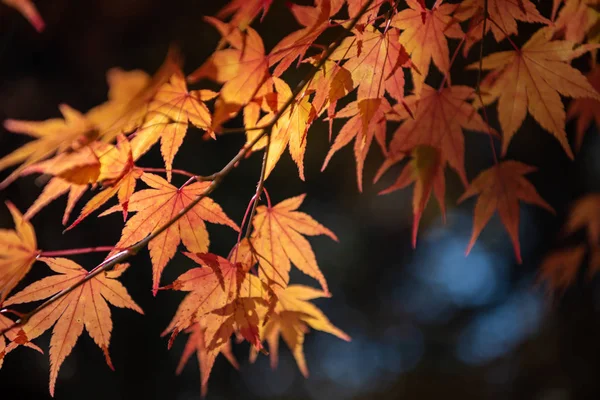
29 11
441 116
585 110
352 129
315 21
55 188
155 206
576 18
291 319
244 11
130 93
242 69
426 170
278 240
500 188
224 298
505 13
84 306
14 339
375 62
119 177
424 33
559 269
168 116
206 359
531 79
290 129
18 252
585 214
53 135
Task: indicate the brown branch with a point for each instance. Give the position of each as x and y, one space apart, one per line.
259 186
216 179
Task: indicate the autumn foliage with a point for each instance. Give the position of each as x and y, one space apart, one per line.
391 66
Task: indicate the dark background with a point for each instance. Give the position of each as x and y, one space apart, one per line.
426 324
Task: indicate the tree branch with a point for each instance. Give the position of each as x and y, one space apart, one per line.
216 179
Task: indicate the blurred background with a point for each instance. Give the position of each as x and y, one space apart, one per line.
425 323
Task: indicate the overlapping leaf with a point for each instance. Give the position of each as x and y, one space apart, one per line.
224 298
291 320
500 188
206 359
353 129
441 116
277 238
155 206
171 110
14 339
119 177
242 69
291 128
86 306
576 18
294 46
18 252
130 93
426 170
375 62
503 13
424 33
530 80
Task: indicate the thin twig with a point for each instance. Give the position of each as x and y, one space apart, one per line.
71 252
215 178
259 186
478 87
164 171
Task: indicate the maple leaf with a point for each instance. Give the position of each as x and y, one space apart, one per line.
290 129
426 170
53 135
576 18
129 95
355 6
559 269
293 315
294 46
424 33
242 69
18 252
375 65
169 113
585 110
155 206
329 84
206 359
352 130
530 80
505 13
224 297
244 11
278 240
500 188
119 175
55 188
111 166
84 306
439 120
14 339
585 214
29 11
